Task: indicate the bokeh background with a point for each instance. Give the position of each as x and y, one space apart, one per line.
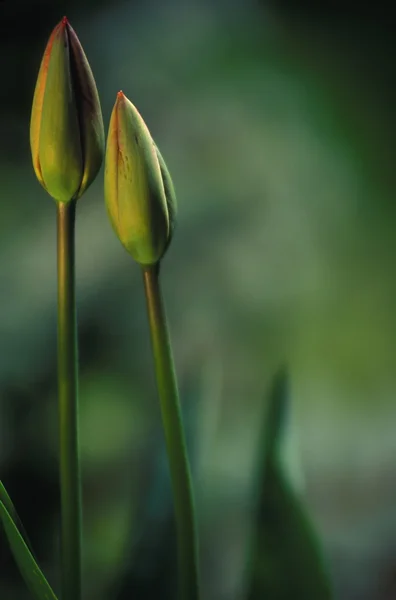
276 119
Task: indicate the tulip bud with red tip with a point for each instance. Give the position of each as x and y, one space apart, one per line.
66 128
136 193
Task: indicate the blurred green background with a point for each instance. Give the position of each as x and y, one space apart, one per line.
277 122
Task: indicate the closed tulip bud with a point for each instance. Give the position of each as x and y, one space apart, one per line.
66 128
134 190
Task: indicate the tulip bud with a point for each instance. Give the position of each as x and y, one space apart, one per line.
66 128
134 190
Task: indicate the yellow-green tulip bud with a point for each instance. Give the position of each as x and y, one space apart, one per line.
134 190
66 128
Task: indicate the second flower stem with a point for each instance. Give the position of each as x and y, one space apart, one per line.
70 478
174 438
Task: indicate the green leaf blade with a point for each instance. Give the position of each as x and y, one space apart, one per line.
287 560
29 569
6 500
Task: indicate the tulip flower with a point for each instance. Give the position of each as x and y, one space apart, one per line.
134 188
67 143
141 204
66 128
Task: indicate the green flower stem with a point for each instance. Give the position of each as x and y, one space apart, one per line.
70 479
174 437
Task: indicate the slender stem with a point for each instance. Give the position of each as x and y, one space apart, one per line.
70 479
174 437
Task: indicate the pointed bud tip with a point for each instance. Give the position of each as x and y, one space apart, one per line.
65 21
120 99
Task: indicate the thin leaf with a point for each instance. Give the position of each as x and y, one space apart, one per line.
287 560
29 569
276 416
6 500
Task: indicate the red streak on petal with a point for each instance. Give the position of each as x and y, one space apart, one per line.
48 49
